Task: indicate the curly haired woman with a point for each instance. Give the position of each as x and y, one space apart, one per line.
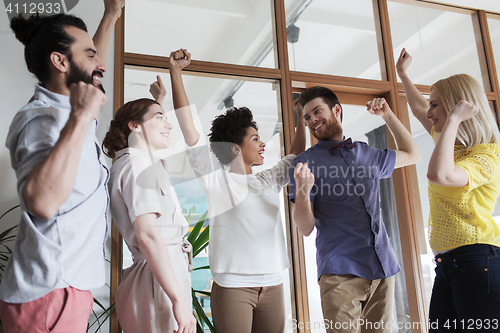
247 242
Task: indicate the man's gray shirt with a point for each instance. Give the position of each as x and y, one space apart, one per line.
67 249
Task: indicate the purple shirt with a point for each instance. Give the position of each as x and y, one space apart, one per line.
351 237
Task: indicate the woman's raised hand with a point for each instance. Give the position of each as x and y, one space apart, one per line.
464 110
179 59
403 62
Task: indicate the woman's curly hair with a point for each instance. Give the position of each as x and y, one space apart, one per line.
230 127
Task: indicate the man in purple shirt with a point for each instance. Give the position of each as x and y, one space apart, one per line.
335 188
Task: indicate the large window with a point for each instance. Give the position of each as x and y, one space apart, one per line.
441 41
359 125
207 95
228 31
335 37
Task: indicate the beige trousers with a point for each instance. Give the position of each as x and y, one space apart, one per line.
248 310
352 304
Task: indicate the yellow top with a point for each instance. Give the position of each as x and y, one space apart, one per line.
463 215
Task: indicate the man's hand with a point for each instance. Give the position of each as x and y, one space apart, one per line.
86 100
304 179
297 107
378 107
158 90
179 59
113 8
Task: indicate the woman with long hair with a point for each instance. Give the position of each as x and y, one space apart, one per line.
247 241
155 292
464 184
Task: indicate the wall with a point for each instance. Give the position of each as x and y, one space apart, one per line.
16 88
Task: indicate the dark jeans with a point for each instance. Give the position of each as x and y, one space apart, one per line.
466 292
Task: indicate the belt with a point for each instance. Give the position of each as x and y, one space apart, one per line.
185 246
466 250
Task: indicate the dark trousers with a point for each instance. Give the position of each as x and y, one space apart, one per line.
466 292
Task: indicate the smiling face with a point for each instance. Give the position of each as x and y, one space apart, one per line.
324 123
437 113
252 149
156 128
85 65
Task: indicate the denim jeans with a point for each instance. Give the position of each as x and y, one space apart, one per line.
466 292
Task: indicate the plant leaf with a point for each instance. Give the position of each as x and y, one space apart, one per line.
206 293
194 233
10 210
100 305
201 313
6 232
201 267
200 249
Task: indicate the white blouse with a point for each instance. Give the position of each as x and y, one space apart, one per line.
246 231
137 186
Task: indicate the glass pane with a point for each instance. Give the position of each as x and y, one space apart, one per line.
336 37
426 146
442 43
359 125
494 28
228 31
207 94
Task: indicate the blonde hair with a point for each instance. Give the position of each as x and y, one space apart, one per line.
482 128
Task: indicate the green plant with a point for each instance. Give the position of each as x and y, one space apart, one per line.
199 240
6 237
5 251
9 235
99 321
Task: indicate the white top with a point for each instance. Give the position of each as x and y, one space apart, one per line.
229 280
246 230
139 186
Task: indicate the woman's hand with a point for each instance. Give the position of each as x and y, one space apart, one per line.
403 62
179 59
158 90
463 111
185 319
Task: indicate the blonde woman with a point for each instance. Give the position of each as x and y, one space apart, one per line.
464 184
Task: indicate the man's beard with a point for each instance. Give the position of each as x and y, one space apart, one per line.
332 130
78 75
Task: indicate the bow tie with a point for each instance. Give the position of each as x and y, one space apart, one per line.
335 147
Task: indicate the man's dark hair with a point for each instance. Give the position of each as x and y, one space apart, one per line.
231 128
328 96
42 35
